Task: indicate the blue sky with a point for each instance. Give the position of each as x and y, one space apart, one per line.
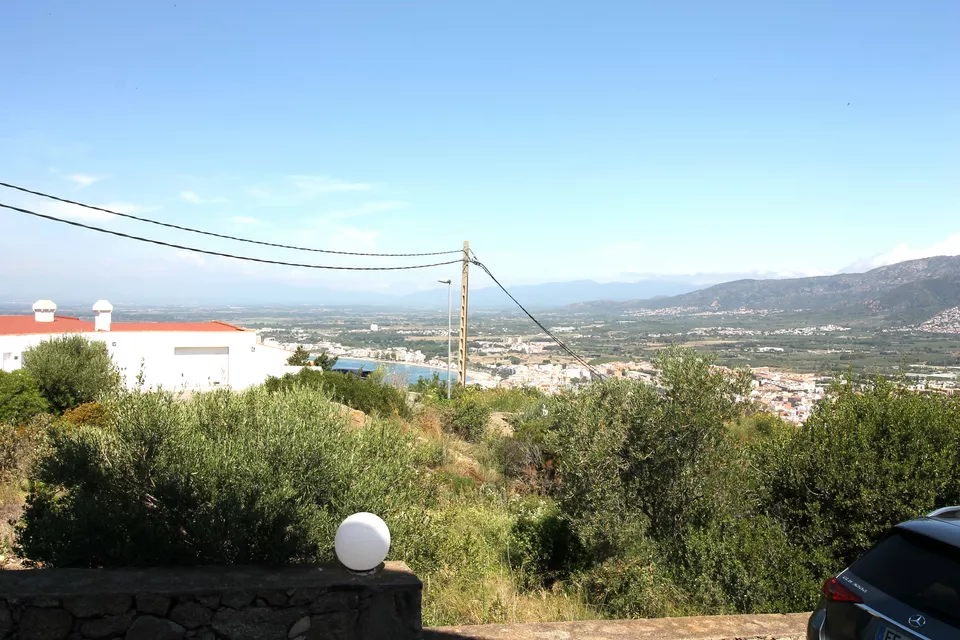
605 140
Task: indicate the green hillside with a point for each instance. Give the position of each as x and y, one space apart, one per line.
903 292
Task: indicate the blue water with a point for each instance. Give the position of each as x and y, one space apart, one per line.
397 371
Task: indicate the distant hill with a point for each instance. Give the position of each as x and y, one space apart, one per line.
906 291
552 294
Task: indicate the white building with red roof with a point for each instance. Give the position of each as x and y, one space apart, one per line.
174 355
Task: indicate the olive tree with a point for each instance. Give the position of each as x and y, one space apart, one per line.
71 370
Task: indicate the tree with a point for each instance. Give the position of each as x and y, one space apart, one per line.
325 362
651 478
871 455
300 357
224 477
71 370
20 397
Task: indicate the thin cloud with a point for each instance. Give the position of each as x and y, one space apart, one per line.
901 253
364 210
83 180
191 258
193 198
315 185
246 220
258 192
74 212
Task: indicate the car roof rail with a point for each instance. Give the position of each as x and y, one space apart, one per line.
946 513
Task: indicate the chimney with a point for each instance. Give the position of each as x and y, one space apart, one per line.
44 310
102 311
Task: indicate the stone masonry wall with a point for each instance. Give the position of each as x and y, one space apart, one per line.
210 603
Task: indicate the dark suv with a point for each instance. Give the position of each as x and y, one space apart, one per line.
907 587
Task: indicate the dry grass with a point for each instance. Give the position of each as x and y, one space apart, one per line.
453 599
428 420
11 504
467 460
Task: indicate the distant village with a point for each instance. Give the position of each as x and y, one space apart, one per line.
513 362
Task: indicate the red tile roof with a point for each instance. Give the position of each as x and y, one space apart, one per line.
24 325
214 325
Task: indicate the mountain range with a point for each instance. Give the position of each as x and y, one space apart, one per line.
906 291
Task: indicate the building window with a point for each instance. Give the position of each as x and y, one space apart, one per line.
113 344
252 349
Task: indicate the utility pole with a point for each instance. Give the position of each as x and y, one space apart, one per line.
449 284
464 291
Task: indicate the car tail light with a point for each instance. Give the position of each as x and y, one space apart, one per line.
836 592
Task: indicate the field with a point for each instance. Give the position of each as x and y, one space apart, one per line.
781 340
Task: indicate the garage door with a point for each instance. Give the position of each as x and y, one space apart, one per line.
202 367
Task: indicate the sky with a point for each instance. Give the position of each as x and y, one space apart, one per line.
603 140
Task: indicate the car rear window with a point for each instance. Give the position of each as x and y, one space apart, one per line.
916 570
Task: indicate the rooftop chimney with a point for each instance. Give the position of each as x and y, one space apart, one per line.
102 310
44 310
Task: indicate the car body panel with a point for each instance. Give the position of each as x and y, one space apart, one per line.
881 616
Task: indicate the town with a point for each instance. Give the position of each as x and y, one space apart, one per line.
524 362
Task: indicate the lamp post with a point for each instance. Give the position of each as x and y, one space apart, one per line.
448 282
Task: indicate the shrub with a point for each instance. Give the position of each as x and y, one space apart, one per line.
655 487
369 395
71 370
744 563
542 549
433 388
467 416
222 478
20 397
299 358
325 362
19 444
514 400
89 413
634 586
758 427
871 455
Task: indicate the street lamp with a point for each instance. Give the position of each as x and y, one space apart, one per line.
449 331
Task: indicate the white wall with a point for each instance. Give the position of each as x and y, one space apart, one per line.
249 363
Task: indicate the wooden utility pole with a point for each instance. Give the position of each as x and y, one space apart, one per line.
464 291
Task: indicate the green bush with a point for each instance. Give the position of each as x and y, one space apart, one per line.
20 397
467 416
654 486
514 400
744 563
872 454
369 395
433 389
299 358
634 586
222 478
89 413
71 370
542 549
20 444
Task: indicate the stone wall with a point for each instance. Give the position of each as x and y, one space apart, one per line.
302 602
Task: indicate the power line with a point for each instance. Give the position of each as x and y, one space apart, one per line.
217 253
220 235
559 342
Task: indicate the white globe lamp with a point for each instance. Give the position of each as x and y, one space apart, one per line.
362 542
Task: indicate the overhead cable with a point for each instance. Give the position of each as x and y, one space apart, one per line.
217 253
221 235
559 342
